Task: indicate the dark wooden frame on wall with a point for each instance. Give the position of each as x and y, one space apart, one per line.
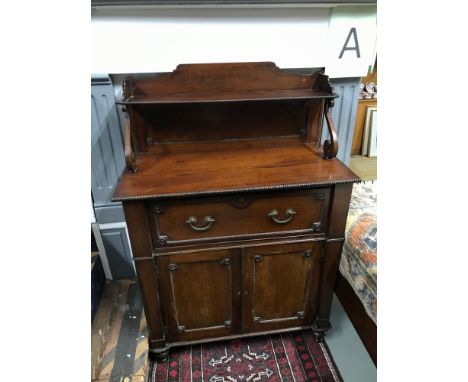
365 327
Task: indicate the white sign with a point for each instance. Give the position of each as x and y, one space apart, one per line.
352 38
157 40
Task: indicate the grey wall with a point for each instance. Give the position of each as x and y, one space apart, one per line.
117 248
344 114
107 165
108 162
107 153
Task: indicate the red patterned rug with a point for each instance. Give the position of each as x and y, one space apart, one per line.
283 357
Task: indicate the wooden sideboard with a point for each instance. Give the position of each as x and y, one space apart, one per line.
235 212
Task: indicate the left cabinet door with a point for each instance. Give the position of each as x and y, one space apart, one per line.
201 294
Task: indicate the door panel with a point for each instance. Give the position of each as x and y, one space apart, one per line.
202 293
280 285
275 277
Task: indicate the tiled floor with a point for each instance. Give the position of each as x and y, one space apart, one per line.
350 355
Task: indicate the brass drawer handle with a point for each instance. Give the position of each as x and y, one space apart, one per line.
289 215
192 220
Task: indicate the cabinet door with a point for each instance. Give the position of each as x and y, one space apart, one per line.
201 293
280 285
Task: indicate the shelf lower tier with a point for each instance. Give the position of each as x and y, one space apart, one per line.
173 172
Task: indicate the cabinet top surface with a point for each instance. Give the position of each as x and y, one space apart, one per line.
190 170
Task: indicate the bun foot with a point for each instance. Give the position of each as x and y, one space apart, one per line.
319 331
158 355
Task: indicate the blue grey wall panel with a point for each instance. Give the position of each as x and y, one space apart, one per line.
112 213
107 153
107 165
118 253
344 114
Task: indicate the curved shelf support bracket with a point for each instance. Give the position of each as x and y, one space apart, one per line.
129 154
330 146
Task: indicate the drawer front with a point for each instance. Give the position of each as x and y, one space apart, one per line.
235 217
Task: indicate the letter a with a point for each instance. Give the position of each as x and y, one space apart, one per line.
356 44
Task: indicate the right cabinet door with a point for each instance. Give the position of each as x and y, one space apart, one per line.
280 285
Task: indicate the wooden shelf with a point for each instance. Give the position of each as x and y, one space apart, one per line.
267 95
175 171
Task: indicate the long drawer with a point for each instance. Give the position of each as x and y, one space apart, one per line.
239 216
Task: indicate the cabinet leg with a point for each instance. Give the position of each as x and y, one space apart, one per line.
319 329
158 355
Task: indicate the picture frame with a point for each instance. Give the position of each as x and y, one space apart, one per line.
367 128
372 149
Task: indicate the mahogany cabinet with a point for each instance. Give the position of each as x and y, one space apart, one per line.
235 211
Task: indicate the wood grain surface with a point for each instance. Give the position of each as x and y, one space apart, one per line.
247 214
176 173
